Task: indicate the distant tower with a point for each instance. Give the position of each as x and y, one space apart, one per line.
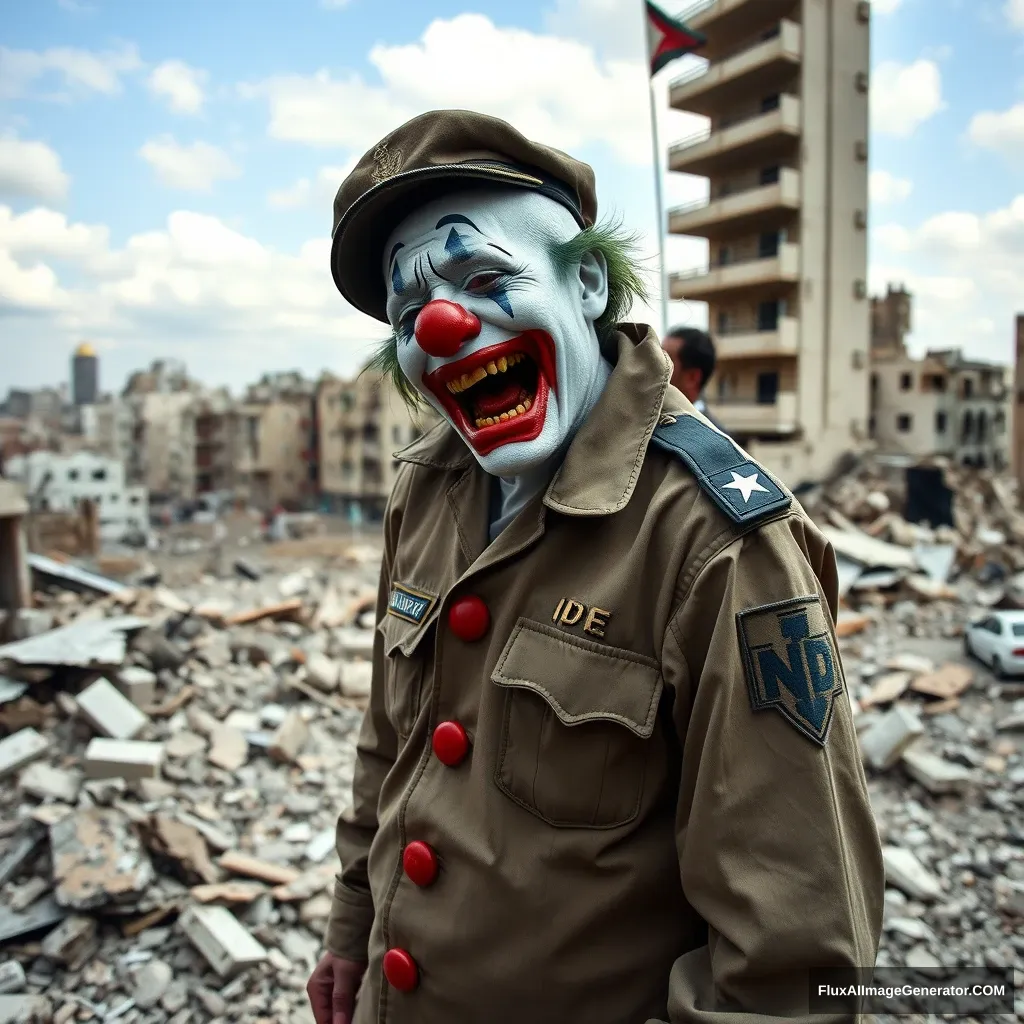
85 375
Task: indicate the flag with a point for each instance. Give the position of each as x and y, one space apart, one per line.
668 38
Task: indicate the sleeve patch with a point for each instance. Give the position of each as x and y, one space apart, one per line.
742 489
411 605
791 663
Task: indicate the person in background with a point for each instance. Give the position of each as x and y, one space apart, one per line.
693 362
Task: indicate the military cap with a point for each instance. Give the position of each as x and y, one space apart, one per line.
434 153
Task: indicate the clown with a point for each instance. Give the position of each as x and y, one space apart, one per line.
608 770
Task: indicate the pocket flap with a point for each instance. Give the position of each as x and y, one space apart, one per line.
400 634
582 681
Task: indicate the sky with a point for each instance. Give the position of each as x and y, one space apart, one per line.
167 170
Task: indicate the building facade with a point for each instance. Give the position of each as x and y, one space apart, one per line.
785 88
60 483
360 424
1018 402
942 404
218 443
85 375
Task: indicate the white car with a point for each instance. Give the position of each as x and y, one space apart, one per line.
997 640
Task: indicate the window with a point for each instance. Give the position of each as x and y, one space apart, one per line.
968 388
133 500
768 245
724 255
769 103
72 474
874 383
768 315
767 388
903 422
769 175
940 423
723 321
99 474
871 426
906 381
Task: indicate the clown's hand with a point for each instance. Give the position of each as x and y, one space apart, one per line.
332 989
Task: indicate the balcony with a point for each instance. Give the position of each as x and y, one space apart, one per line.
754 210
725 20
760 68
740 417
702 284
782 340
757 139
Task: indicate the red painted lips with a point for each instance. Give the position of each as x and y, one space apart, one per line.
499 394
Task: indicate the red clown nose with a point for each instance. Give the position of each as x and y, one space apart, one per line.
442 327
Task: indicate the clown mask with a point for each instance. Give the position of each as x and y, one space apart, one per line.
491 328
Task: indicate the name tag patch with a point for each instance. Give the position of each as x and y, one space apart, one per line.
791 663
411 605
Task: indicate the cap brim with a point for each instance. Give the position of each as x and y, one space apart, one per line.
357 250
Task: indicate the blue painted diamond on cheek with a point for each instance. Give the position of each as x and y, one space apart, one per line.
500 296
456 248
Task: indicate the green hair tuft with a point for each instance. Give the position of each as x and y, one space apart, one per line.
385 362
621 251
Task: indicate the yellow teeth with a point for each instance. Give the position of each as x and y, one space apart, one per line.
489 421
467 380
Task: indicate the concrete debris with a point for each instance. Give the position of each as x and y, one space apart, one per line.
18 750
95 643
111 713
12 977
254 681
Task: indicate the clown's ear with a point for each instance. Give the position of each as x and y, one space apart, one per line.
593 275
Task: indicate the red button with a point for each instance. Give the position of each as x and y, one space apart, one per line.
400 970
420 863
469 618
451 744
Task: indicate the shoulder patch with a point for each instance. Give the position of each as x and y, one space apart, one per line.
791 663
411 605
739 487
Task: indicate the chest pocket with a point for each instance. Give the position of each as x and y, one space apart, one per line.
577 727
408 662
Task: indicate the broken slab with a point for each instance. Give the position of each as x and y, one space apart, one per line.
25 1010
236 891
289 739
252 867
98 643
12 977
229 748
356 677
183 844
19 749
28 837
46 783
72 942
98 860
884 742
44 914
904 871
123 759
271 611
945 683
886 689
138 685
225 943
110 712
936 774
322 672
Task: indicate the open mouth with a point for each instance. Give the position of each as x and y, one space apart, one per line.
499 394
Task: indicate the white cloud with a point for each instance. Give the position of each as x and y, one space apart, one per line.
81 71
904 96
318 192
195 288
31 170
554 90
1001 131
885 6
966 272
1015 13
194 167
181 85
885 188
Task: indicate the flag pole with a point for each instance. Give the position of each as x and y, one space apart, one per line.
659 200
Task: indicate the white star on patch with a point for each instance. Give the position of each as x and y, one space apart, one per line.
746 485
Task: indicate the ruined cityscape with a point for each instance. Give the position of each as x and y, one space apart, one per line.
188 578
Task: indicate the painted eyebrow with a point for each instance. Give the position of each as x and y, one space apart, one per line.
456 218
394 250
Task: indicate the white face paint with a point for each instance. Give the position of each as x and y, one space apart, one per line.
514 365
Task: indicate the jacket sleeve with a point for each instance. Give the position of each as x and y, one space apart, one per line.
778 848
351 916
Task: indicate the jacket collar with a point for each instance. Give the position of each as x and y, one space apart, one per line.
614 436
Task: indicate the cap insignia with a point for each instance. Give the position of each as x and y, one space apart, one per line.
385 163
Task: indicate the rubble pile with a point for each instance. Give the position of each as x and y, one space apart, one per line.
172 764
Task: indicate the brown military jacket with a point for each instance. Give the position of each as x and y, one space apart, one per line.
644 827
